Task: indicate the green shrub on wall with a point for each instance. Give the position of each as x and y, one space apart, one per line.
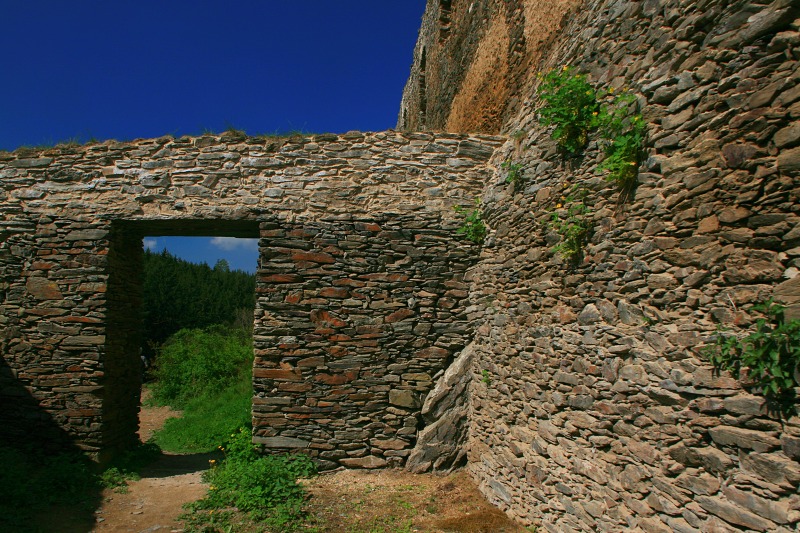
572 221
570 104
573 106
623 133
767 360
472 228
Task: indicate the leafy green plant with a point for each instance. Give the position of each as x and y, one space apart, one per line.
199 362
486 378
768 358
473 228
114 478
570 104
572 221
514 174
264 487
623 131
574 107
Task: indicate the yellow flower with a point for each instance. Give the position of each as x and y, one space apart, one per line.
611 89
589 93
594 113
565 68
558 205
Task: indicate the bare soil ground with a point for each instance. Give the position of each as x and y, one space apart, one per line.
346 501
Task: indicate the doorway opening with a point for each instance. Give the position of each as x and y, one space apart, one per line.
161 285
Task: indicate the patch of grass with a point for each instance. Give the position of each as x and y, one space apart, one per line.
208 420
265 488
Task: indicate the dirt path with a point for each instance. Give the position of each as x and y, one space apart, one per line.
347 501
155 501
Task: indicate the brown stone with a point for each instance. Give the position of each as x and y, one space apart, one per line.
44 289
313 257
398 315
281 278
334 292
743 438
276 374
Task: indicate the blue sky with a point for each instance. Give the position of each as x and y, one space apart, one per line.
126 70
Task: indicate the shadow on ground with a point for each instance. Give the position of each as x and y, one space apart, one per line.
168 465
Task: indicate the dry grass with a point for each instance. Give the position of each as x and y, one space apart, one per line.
383 501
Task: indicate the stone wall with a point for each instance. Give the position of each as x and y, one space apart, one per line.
356 320
590 407
359 284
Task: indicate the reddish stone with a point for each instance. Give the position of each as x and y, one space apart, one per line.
339 338
311 361
367 226
385 277
338 351
78 319
399 315
434 352
313 257
347 282
300 233
334 292
274 373
372 336
281 278
320 316
44 289
337 379
293 297
294 387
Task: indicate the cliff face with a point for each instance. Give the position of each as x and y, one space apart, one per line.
591 406
475 61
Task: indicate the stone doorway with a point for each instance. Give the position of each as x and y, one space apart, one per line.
122 379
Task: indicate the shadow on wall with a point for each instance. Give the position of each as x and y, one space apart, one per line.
46 482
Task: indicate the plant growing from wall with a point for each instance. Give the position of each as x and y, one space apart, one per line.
768 359
572 221
514 174
623 132
574 107
570 104
472 228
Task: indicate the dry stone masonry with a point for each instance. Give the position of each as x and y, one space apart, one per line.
361 292
590 407
576 394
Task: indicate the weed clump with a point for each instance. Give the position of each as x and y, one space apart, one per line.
264 487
